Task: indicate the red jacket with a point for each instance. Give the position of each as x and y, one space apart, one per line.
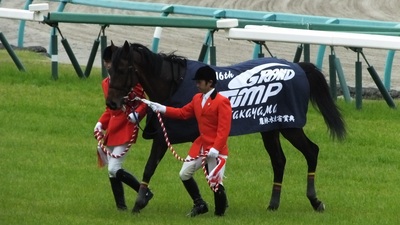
214 121
118 128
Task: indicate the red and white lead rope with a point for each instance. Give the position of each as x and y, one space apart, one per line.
169 144
100 136
213 180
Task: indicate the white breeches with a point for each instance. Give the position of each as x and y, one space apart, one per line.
188 168
115 164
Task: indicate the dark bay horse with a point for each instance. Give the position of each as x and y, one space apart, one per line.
268 95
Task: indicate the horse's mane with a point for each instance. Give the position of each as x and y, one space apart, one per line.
155 58
156 62
171 57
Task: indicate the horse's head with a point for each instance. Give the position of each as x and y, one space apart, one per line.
159 74
123 76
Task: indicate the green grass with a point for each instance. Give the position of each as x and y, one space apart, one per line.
49 174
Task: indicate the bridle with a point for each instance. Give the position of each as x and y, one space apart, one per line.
134 72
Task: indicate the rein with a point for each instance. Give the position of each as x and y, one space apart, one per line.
100 136
212 179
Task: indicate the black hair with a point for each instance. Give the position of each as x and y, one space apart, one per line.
107 54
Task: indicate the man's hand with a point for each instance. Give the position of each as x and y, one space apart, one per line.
156 107
213 153
98 127
133 117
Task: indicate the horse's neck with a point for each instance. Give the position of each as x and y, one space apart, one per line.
163 83
177 73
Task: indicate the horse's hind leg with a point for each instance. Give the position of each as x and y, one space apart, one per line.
310 151
278 162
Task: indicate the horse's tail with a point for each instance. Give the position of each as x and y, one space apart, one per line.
321 100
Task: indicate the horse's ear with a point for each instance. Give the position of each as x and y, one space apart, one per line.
126 46
113 47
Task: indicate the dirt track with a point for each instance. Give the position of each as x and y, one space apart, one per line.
187 42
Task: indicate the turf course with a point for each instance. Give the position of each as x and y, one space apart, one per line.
49 173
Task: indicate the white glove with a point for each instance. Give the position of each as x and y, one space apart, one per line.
133 117
98 127
145 101
157 107
213 153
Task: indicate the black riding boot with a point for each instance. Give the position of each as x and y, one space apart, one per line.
200 206
118 191
220 201
128 179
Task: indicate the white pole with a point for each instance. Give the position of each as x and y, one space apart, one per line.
35 13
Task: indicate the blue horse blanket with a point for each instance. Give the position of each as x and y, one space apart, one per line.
266 94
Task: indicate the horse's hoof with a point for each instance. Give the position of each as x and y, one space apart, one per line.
135 209
320 208
272 208
139 205
143 198
317 205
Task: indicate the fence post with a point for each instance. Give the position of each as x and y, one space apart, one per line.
103 44
11 52
54 56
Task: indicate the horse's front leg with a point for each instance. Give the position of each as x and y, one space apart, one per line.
157 152
278 162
